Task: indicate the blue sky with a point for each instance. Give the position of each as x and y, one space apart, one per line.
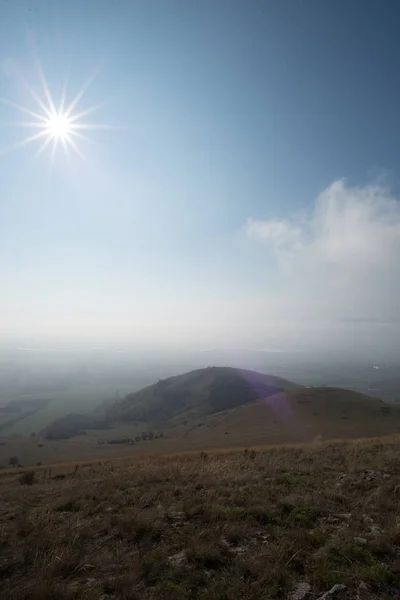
247 191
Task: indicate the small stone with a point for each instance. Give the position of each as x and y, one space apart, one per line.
346 516
177 559
231 548
301 591
334 592
360 540
332 520
367 519
262 535
177 515
374 530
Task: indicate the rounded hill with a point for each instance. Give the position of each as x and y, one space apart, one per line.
197 393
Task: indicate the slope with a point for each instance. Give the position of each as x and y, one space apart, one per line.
217 525
294 415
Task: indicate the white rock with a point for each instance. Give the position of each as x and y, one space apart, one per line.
231 547
301 591
367 519
374 530
360 540
262 535
178 515
177 559
333 592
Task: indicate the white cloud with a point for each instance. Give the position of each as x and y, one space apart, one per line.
344 256
279 233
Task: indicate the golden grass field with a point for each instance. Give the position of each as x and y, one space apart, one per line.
251 524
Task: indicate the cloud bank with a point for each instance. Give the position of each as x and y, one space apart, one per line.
342 259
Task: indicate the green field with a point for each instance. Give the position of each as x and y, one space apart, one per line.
83 399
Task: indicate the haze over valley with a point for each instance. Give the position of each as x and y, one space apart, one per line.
53 400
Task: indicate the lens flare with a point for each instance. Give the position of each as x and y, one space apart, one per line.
62 125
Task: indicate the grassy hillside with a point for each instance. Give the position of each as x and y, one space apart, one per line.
297 416
293 416
248 524
195 394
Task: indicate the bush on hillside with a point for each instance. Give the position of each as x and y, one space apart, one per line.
27 478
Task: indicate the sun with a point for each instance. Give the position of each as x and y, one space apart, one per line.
53 125
58 126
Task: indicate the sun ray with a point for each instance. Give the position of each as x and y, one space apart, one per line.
44 146
75 147
25 124
66 149
63 97
93 126
53 150
31 113
38 99
80 136
24 142
84 113
52 108
81 92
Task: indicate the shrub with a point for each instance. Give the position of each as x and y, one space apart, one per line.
27 478
304 515
68 506
376 574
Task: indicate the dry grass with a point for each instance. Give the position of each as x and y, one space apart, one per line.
223 525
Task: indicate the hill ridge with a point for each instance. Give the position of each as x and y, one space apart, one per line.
197 393
222 406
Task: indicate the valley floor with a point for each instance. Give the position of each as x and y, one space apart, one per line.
227 525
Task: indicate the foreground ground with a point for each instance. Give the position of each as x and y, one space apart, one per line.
240 524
